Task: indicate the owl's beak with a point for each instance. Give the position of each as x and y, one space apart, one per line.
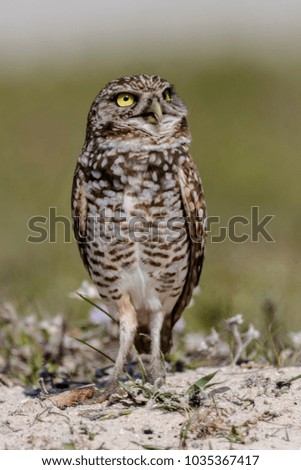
154 113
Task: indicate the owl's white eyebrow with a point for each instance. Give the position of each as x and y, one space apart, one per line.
134 93
136 145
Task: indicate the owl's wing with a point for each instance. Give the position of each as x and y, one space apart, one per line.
195 214
79 213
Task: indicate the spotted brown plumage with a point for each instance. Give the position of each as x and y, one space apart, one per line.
139 212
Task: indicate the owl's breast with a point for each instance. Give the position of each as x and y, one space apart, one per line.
140 241
154 221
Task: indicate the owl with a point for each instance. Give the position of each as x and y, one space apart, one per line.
139 213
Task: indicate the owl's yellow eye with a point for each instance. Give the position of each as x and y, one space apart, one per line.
125 99
166 95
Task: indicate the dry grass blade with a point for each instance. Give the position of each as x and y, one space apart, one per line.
114 415
184 433
95 349
284 383
150 447
141 366
98 307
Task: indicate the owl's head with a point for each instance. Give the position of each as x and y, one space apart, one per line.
136 106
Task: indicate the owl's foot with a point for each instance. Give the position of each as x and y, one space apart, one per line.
101 397
156 373
109 393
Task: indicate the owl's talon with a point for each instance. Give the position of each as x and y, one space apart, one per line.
159 382
101 398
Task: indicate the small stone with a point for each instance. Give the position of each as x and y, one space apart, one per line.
148 431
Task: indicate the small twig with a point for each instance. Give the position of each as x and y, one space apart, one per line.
240 344
43 386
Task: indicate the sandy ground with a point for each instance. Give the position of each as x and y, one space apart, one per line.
245 410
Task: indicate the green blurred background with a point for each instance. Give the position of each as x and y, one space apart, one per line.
244 114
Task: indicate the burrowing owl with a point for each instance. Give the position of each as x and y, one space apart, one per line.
139 212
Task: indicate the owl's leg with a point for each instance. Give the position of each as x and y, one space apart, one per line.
127 331
157 368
